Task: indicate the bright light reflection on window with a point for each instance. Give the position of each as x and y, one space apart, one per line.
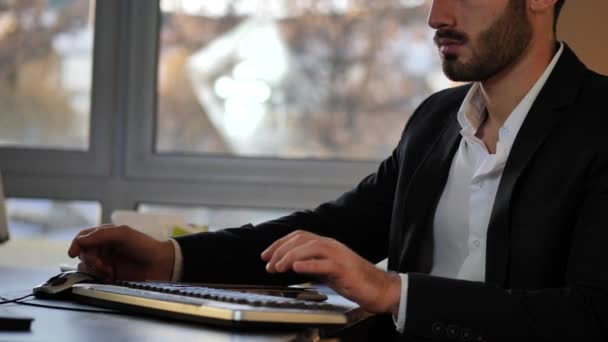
326 79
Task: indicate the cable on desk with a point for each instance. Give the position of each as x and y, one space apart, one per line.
70 309
16 300
19 301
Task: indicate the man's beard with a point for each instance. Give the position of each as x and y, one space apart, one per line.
498 47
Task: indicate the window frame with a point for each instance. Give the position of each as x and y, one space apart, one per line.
79 175
57 162
144 163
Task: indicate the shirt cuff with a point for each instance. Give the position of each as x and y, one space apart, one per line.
178 262
400 319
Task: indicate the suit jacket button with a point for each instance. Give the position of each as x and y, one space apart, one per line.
453 331
438 328
466 335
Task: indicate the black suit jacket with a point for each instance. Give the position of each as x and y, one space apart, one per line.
547 244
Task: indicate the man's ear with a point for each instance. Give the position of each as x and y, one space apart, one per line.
541 6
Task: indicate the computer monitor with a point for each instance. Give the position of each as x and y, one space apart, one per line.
3 218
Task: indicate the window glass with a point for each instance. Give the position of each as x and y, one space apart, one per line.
216 218
50 219
41 231
45 73
323 79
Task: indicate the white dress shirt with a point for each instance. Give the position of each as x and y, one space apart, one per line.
461 220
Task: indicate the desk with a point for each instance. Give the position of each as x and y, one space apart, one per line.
65 326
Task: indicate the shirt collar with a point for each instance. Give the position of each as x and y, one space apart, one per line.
473 109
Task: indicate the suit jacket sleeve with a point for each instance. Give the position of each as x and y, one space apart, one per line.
359 218
447 309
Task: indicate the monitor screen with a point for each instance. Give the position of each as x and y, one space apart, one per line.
3 218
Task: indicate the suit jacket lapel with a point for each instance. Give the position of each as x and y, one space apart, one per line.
559 91
422 196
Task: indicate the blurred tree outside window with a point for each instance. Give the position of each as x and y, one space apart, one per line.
320 79
45 73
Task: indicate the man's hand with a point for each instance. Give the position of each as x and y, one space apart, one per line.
122 253
341 268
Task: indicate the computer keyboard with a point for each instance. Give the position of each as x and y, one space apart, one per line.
229 296
210 304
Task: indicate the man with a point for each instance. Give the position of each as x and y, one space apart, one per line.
492 208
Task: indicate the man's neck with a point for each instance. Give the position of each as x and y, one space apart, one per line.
504 91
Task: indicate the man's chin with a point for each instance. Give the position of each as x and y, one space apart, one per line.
449 58
456 72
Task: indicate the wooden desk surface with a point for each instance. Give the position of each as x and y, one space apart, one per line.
64 326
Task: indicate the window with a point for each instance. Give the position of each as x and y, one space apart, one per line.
54 219
41 231
227 112
45 73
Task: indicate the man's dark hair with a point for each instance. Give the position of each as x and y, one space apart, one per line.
558 8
